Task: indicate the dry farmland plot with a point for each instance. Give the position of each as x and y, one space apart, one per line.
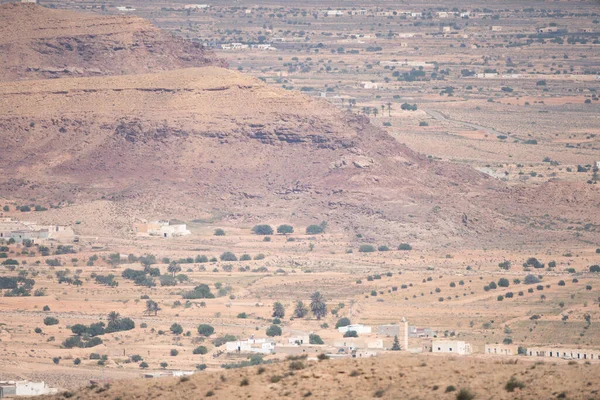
443 291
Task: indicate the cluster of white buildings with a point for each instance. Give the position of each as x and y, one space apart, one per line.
242 46
163 229
366 345
36 233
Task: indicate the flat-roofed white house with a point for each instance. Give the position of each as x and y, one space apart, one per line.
252 345
451 346
501 349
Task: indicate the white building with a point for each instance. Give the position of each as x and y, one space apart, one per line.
568 354
196 6
370 85
299 340
451 346
125 8
252 345
161 228
25 388
501 349
360 329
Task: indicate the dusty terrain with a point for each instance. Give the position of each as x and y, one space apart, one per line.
106 120
232 144
389 377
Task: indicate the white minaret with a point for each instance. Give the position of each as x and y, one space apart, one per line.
405 323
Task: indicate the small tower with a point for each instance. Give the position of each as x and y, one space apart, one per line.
405 342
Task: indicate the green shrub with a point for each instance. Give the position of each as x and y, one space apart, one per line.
512 384
315 339
274 330
200 350
50 321
366 248
383 248
314 229
262 230
228 256
404 246
285 229
342 322
219 232
205 330
465 394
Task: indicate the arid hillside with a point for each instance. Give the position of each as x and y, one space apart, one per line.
38 42
214 144
389 377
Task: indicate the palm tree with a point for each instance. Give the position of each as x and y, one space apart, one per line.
300 311
152 307
317 305
174 268
113 317
278 310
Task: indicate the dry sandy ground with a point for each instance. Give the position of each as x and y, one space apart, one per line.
394 376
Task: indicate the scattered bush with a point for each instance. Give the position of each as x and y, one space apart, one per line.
205 330
262 230
274 330
404 246
366 248
228 256
285 229
315 339
50 321
512 384
314 229
465 394
342 322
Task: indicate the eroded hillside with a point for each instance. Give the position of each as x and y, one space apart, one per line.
38 42
200 143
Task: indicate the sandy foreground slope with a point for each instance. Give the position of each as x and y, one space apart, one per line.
391 377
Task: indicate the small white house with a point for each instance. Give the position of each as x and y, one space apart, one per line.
25 388
262 346
451 346
360 329
299 340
